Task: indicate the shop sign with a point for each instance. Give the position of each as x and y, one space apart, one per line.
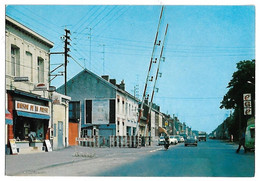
33 108
13 146
247 104
48 145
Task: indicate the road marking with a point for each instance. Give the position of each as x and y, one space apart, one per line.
156 150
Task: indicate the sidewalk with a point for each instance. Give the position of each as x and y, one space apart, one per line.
26 163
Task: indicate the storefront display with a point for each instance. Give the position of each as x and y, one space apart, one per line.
31 116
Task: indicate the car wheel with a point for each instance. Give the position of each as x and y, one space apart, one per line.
185 145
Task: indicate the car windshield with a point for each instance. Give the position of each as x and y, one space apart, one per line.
171 136
161 137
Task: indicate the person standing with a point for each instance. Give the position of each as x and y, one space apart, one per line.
241 143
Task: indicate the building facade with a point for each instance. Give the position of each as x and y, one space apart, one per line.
27 80
103 108
60 120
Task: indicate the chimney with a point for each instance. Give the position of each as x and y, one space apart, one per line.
112 81
106 77
122 85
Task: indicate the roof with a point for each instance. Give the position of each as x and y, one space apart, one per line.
104 81
28 31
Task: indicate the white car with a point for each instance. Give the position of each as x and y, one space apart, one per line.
161 140
173 140
182 139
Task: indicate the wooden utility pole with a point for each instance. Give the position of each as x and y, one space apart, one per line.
146 96
66 50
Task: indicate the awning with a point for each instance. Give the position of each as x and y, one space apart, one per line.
8 117
32 115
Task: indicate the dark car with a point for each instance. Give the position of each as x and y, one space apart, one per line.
190 141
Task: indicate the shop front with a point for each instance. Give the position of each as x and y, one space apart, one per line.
30 122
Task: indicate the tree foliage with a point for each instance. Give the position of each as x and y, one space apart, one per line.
243 81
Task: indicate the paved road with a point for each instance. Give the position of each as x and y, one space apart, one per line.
211 158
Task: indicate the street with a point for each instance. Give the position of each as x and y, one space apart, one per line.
213 158
209 159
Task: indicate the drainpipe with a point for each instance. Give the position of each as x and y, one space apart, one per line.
66 124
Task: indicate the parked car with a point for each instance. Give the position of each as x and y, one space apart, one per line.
179 138
184 135
161 140
190 141
173 140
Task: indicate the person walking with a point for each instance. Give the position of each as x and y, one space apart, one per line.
241 143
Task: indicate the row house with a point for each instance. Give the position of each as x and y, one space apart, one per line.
28 101
100 106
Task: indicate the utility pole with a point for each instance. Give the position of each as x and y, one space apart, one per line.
66 50
156 43
157 73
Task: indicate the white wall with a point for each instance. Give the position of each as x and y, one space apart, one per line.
27 68
126 114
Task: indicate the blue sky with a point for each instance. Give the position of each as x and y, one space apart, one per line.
203 45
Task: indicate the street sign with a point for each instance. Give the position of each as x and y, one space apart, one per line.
13 146
247 104
247 97
48 145
40 87
247 111
21 79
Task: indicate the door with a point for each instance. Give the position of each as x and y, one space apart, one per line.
60 134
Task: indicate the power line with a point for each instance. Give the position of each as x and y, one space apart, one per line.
104 17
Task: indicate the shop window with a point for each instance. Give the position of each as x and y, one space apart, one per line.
74 111
252 132
40 69
15 61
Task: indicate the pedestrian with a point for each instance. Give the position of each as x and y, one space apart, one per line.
231 138
241 143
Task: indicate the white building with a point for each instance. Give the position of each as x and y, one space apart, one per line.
60 120
27 72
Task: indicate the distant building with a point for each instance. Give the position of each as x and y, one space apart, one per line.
101 106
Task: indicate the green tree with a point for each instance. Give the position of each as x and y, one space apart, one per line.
243 81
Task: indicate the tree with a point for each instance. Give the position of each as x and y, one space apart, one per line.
243 81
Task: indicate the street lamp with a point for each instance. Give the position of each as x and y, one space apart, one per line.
249 82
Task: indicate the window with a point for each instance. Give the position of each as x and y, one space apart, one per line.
15 61
40 69
29 67
252 132
88 111
112 111
74 111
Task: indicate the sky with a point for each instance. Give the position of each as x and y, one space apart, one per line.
203 45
